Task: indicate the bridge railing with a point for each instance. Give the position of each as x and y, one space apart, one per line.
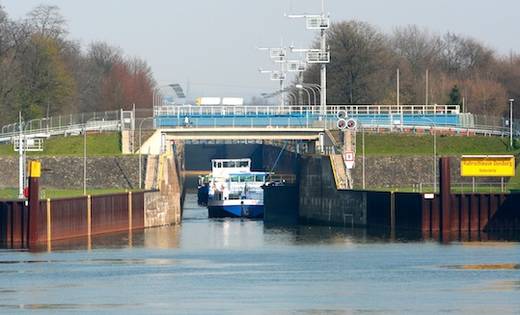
64 124
331 110
380 116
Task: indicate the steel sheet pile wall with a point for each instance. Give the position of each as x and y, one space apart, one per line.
109 214
408 214
13 224
475 213
378 209
69 218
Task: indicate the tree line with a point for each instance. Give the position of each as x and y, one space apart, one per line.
364 61
43 73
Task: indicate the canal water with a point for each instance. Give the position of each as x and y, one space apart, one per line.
243 267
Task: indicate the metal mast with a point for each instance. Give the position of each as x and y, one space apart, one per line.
323 47
320 56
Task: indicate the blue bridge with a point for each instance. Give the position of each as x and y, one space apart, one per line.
308 116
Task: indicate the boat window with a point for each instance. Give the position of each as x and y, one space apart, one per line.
244 163
219 164
260 178
235 179
214 164
225 164
248 178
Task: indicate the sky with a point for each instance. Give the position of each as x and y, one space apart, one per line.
213 44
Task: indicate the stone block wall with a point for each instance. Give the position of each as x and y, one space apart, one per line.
67 172
399 171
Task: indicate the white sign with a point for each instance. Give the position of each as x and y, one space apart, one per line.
349 159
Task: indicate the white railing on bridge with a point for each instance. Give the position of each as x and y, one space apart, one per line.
331 110
64 125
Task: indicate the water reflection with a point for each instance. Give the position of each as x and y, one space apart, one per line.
197 231
240 266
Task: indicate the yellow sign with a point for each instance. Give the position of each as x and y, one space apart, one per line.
35 169
487 166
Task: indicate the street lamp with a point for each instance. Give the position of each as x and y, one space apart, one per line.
314 89
293 97
432 129
511 122
301 87
21 160
85 155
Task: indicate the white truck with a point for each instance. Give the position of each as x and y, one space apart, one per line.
233 101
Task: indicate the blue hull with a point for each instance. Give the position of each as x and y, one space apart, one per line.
238 211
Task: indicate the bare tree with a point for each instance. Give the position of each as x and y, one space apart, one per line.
47 21
358 71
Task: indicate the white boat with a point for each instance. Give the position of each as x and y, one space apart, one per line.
235 191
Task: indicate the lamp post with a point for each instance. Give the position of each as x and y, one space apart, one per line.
432 129
364 154
21 164
314 89
85 156
294 98
511 122
85 160
301 87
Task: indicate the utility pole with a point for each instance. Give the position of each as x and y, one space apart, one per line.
21 164
398 88
511 122
427 87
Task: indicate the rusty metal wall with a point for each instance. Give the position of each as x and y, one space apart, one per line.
13 224
109 213
68 218
474 213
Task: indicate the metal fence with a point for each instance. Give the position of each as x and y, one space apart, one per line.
415 118
456 187
63 125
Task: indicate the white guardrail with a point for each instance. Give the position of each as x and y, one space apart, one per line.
372 117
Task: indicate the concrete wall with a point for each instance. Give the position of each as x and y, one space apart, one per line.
322 203
67 172
164 207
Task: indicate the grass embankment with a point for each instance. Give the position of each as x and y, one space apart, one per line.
11 193
102 144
